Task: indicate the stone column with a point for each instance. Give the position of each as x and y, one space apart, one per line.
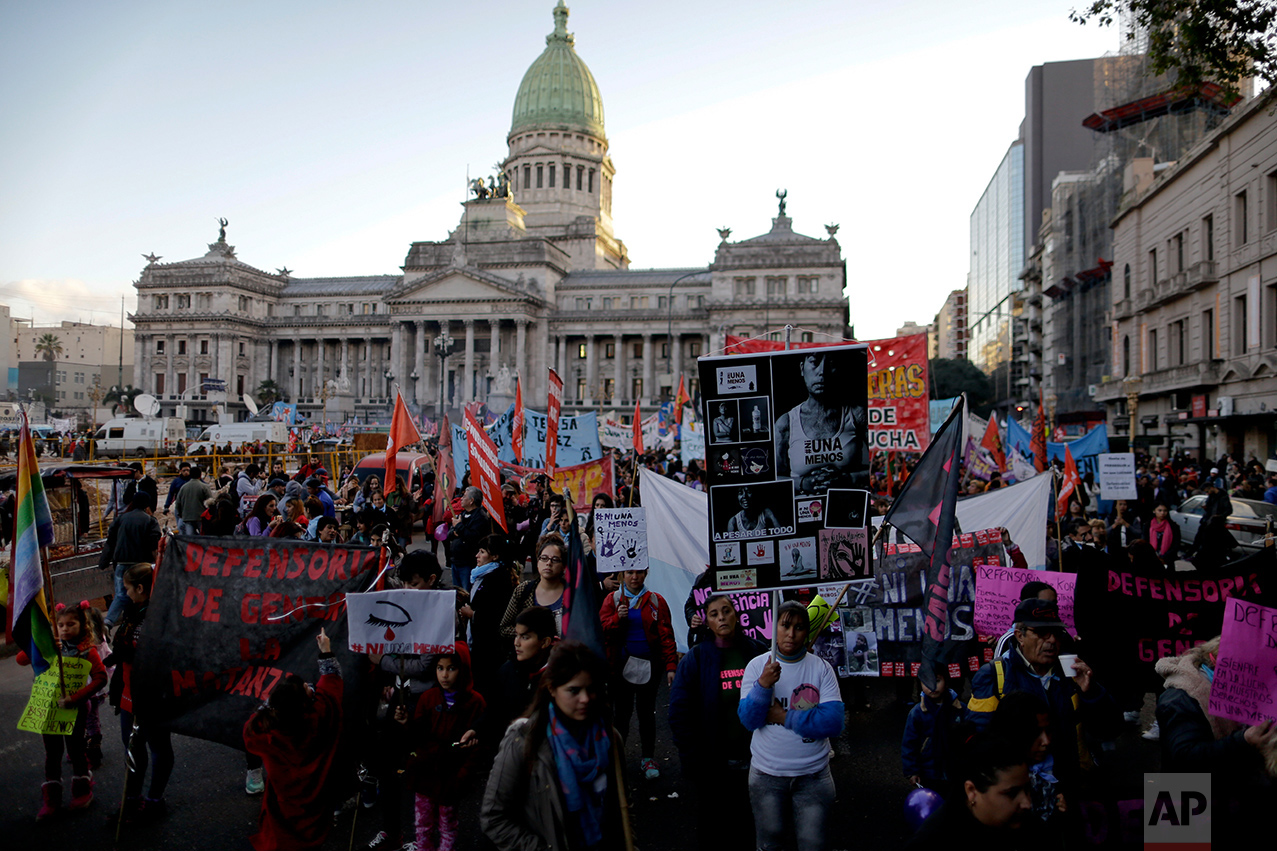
647 370
495 357
320 345
467 378
295 391
419 361
591 372
619 394
396 355
676 360
345 358
272 362
521 348
142 377
562 360
170 371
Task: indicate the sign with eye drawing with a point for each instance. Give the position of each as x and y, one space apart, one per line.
620 536
402 621
788 459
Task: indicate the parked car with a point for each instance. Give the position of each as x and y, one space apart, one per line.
1249 522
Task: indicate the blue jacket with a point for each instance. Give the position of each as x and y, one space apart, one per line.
925 744
1070 709
822 721
694 696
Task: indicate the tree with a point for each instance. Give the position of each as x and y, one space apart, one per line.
269 392
953 377
49 347
1220 41
121 398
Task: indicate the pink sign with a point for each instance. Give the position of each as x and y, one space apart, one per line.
1245 684
997 591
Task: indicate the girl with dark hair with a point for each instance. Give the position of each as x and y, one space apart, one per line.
492 582
534 637
295 734
263 519
601 500
557 782
545 589
994 807
713 745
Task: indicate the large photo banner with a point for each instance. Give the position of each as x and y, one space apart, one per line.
784 430
897 384
229 618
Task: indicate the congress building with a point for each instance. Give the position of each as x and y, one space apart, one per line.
532 278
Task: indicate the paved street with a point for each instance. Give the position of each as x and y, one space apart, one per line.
208 807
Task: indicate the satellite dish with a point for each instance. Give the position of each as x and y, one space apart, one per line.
146 404
250 404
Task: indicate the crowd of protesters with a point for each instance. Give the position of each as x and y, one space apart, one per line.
753 725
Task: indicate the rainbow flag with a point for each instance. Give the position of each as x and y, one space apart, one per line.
32 628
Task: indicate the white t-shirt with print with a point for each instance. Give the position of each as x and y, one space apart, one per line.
802 685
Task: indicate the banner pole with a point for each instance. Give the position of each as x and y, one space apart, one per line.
1059 535
775 625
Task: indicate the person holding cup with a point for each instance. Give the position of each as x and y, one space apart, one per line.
1032 664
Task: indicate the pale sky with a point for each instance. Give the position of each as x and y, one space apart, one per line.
334 134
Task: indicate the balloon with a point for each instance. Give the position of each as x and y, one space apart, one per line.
919 804
819 614
441 532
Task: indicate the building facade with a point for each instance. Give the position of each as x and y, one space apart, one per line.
82 360
532 278
1194 297
951 327
997 256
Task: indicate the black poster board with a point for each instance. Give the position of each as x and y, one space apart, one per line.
787 432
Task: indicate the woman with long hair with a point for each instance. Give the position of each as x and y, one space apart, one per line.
557 780
601 500
263 519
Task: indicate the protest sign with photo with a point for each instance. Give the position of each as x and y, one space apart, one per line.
1245 684
403 620
786 430
843 554
620 539
860 641
229 618
42 715
997 592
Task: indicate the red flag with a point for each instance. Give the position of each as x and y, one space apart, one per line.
553 405
1037 441
680 399
1069 486
517 427
403 432
638 430
485 470
992 441
443 475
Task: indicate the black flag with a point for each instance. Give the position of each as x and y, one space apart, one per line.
924 512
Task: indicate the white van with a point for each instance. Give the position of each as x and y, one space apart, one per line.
137 436
239 433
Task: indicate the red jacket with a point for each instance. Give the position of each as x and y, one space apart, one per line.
436 769
296 813
656 623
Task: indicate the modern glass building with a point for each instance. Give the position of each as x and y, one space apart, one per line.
997 258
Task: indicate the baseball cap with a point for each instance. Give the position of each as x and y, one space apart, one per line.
1039 614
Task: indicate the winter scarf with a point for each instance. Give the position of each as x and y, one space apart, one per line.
583 773
1160 536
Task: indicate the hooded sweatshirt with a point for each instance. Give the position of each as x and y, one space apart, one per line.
436 768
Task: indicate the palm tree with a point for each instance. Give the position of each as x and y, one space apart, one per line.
121 398
268 391
49 347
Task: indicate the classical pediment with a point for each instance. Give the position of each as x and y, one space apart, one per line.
460 284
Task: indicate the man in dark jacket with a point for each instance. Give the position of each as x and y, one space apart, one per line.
133 537
468 528
1033 667
140 481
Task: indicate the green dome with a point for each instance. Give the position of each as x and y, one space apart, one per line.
558 88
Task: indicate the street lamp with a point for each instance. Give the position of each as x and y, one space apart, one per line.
389 376
669 324
443 345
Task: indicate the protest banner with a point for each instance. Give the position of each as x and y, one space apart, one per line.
620 536
896 383
229 618
1086 450
784 428
403 620
42 714
577 440
1117 475
1147 615
1245 684
583 481
550 440
485 474
692 444
997 592
614 435
753 610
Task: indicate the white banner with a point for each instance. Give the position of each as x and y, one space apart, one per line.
620 541
402 621
614 435
1117 475
678 537
692 444
1021 508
